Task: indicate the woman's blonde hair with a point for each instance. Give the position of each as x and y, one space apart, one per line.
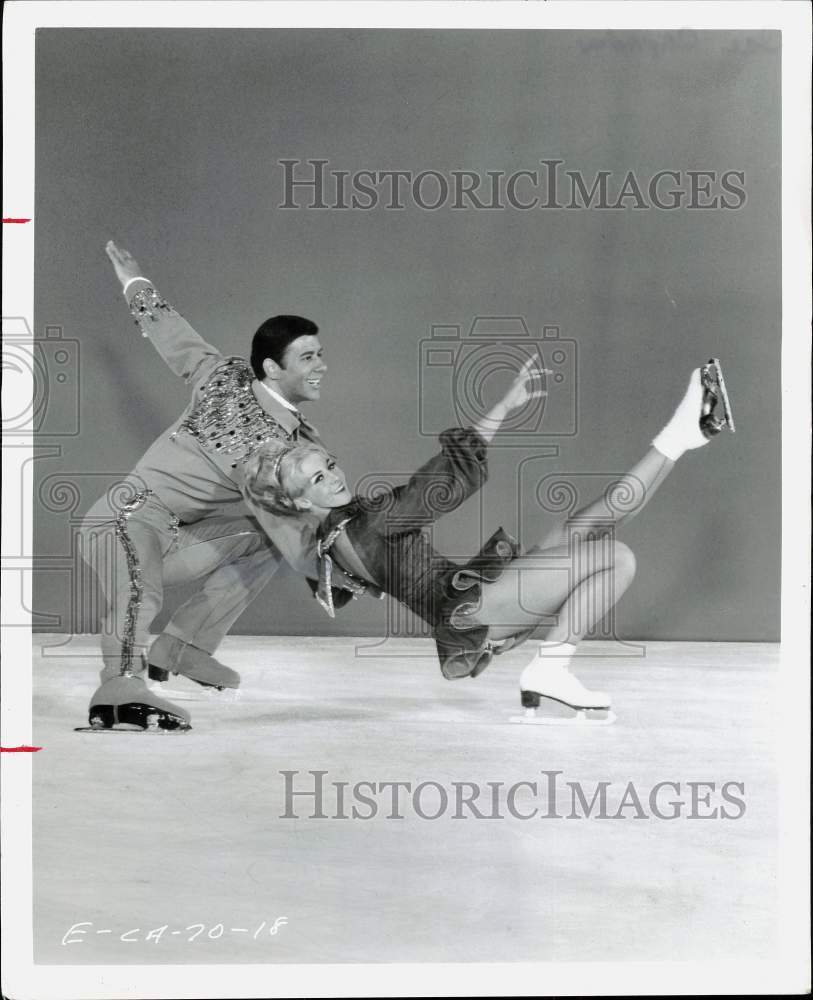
267 476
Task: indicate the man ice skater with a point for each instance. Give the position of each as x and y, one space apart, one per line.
169 523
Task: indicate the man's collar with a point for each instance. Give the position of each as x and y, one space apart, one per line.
279 398
280 409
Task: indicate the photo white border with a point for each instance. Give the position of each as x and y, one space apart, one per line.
790 972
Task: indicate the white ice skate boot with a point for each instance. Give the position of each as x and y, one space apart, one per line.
695 421
548 677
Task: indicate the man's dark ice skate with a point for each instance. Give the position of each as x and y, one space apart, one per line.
126 704
170 656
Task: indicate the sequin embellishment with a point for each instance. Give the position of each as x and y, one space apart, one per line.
134 572
146 303
228 420
324 593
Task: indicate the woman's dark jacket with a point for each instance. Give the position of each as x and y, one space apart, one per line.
389 535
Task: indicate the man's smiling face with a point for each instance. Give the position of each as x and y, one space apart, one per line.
300 376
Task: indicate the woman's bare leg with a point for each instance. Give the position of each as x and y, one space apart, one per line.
569 583
625 498
568 588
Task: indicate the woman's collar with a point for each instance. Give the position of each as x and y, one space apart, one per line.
339 514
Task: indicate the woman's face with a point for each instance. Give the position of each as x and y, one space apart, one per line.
319 482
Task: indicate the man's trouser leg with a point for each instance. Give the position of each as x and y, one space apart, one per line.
234 560
126 549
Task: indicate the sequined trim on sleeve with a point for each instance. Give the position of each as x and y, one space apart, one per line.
145 304
227 419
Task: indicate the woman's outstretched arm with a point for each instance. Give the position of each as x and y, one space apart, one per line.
519 393
460 470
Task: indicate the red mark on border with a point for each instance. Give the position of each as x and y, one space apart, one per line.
16 220
19 749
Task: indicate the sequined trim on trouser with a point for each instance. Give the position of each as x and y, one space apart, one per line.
134 572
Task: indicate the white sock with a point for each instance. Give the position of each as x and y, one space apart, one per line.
683 433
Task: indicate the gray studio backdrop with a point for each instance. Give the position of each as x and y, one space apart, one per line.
170 142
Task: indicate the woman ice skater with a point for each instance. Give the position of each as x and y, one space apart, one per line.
501 597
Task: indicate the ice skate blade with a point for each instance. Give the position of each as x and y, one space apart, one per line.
581 718
711 423
187 682
729 417
125 729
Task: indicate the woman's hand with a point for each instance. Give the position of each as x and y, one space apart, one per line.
126 267
521 389
519 393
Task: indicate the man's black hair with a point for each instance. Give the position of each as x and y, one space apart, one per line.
273 337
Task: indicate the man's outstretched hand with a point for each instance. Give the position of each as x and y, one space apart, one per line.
126 267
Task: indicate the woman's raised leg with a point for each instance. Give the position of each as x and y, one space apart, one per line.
621 501
594 568
692 425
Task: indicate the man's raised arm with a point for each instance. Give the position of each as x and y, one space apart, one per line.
185 351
